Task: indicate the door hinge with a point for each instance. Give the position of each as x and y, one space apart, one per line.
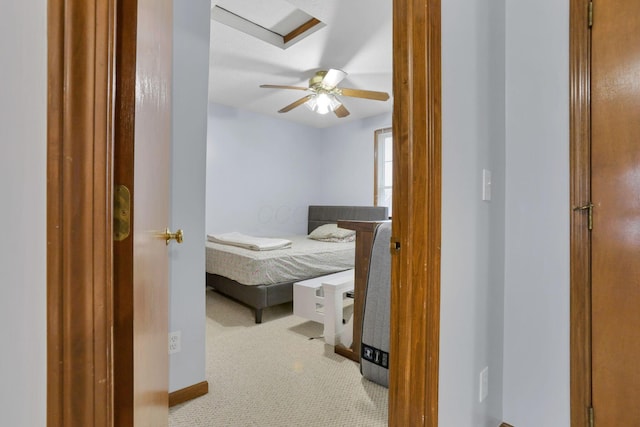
590 416
121 213
589 208
590 18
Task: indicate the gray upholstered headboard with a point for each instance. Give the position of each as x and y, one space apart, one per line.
320 215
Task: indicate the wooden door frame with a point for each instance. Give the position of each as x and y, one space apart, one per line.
416 225
81 40
80 142
580 237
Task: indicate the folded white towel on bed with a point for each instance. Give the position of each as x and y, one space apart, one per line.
249 242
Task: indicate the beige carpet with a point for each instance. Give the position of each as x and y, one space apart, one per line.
273 375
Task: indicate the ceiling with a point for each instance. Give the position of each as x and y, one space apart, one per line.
357 39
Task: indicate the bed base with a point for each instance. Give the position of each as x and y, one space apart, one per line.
257 297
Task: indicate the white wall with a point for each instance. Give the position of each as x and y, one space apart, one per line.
347 162
188 170
472 268
536 365
263 173
23 103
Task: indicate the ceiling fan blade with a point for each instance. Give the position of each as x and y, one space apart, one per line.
296 104
333 77
368 94
284 87
341 111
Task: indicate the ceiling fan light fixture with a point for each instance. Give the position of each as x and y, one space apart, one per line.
323 103
324 94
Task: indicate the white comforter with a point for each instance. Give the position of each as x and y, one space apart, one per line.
305 258
249 242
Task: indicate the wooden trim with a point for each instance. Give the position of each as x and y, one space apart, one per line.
55 106
188 393
365 231
580 239
123 174
300 30
347 352
79 255
375 168
376 135
415 284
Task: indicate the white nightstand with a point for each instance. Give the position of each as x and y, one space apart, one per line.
320 299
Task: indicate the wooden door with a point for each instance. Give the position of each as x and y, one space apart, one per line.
615 186
103 79
151 213
142 147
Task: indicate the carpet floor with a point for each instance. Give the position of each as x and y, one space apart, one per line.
276 374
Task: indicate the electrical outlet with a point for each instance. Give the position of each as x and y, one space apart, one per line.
484 384
174 342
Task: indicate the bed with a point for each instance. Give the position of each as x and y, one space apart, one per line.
261 279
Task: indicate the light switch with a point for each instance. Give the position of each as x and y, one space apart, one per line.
484 384
486 185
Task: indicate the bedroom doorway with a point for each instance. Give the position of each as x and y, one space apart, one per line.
413 394
422 225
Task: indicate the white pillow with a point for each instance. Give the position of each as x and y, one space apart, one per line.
333 233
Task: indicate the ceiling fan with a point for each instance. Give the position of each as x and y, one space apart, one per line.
325 91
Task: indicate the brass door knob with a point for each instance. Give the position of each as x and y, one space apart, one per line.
178 236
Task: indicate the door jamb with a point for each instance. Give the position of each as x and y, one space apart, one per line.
80 76
580 238
416 226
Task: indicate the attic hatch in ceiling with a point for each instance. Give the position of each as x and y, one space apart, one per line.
274 21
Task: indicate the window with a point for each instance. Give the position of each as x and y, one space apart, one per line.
383 168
